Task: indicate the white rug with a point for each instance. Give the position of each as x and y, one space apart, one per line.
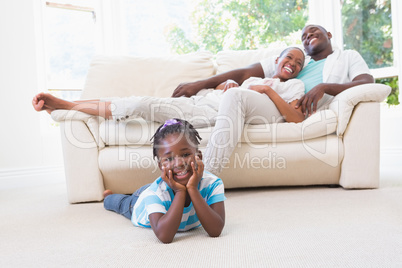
270 227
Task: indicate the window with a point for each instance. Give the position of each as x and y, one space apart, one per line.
160 27
367 28
75 30
147 24
70 34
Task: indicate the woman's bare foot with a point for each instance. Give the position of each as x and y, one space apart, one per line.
107 192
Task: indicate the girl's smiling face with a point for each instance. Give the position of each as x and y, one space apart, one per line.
176 153
289 64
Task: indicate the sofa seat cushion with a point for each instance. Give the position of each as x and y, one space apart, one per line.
137 132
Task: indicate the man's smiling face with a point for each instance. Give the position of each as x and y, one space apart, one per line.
315 39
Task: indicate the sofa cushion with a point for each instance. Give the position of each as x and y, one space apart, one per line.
121 76
137 132
232 59
227 60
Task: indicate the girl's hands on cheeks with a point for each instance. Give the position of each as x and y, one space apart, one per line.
198 170
167 176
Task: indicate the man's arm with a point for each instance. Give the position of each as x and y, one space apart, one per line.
238 75
308 102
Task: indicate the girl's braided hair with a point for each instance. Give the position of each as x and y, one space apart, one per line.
172 126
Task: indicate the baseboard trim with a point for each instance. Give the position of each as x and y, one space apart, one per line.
30 177
391 156
32 171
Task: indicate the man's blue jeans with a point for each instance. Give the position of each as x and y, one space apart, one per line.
123 203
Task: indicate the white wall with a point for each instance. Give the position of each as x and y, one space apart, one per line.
22 137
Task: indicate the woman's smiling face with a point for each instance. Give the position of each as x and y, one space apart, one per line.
289 64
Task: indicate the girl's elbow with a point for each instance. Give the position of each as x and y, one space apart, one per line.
165 239
215 233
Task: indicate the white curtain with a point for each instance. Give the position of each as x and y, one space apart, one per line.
327 13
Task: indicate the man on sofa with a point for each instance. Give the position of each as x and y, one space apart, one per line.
328 71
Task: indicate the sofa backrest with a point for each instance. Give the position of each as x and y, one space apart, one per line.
121 76
227 60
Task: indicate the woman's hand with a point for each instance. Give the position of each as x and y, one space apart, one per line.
263 89
167 176
230 84
198 170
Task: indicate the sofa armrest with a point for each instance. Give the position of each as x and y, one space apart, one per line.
93 122
361 141
344 103
84 180
63 115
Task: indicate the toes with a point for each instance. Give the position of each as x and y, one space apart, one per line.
106 193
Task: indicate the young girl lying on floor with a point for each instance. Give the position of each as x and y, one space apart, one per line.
183 197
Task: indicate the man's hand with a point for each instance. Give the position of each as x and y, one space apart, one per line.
167 176
311 99
186 89
198 170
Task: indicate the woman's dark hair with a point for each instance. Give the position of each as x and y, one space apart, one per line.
173 126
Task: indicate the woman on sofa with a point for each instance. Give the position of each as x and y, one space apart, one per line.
200 110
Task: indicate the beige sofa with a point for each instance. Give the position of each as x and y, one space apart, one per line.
339 145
